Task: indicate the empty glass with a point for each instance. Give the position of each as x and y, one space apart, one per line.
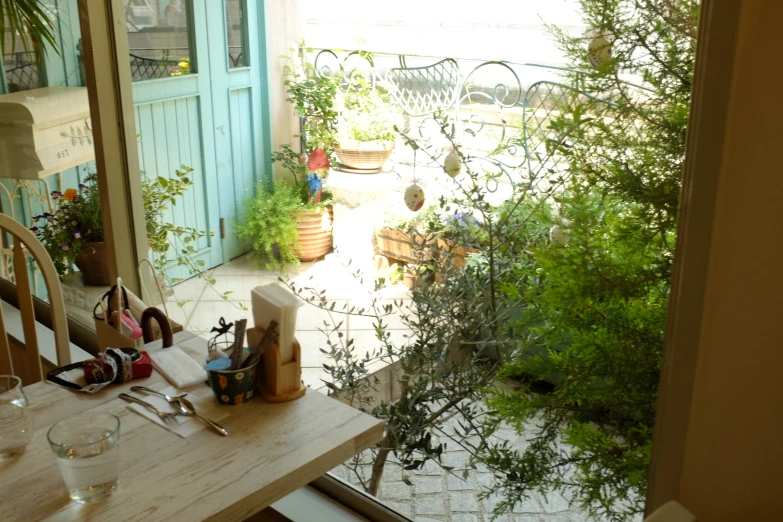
16 422
88 454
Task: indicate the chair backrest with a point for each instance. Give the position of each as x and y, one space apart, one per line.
25 239
420 91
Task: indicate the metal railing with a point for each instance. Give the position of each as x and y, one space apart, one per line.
502 109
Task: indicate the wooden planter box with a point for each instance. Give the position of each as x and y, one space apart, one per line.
459 255
400 246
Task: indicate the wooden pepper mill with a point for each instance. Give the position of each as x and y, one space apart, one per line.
278 381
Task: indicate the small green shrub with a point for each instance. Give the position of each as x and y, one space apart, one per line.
270 224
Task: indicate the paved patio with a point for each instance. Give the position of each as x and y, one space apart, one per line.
435 495
204 306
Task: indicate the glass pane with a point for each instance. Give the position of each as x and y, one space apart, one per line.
50 189
158 38
19 62
235 31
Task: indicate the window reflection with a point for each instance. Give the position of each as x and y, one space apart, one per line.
235 31
158 38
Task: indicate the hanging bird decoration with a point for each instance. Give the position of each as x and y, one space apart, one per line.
318 166
452 165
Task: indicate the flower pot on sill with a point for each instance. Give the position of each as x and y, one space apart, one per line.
367 157
315 233
91 262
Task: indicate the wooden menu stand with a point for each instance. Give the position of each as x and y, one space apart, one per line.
278 382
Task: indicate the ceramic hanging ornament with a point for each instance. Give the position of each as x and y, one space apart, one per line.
452 165
558 236
414 197
599 50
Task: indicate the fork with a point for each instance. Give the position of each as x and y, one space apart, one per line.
166 416
184 406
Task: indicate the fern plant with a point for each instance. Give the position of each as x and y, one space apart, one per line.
270 224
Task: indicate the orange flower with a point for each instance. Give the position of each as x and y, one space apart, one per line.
238 399
70 194
223 381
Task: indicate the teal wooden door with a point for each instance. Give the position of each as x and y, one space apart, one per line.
210 120
236 55
175 127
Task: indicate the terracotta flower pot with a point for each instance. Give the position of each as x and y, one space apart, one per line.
91 262
315 234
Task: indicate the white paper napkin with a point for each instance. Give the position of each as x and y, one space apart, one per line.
181 425
177 367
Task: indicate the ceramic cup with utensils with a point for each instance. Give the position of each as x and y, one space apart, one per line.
233 386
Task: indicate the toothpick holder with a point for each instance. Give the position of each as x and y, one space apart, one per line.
278 381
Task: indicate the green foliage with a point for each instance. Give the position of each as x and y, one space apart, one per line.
313 96
594 309
74 220
26 17
171 245
367 114
270 224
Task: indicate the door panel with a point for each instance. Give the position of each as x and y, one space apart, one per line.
237 104
174 122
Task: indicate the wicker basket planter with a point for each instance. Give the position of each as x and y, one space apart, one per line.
315 233
398 245
365 156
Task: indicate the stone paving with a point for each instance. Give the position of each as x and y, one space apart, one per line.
437 495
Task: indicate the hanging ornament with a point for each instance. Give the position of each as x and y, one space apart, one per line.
558 236
414 197
452 164
599 50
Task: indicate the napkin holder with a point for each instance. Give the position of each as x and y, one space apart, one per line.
278 381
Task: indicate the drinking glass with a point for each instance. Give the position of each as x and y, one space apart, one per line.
87 450
16 422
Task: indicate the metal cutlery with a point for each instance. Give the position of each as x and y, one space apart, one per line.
165 416
184 406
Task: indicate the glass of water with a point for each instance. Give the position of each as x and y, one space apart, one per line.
88 454
16 422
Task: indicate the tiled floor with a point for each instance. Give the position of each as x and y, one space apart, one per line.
199 306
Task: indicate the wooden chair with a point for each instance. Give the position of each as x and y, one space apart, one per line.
31 359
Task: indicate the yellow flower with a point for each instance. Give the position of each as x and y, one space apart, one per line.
70 194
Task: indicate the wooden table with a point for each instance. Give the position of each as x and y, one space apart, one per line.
271 450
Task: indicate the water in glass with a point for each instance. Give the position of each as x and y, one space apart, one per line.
16 422
87 451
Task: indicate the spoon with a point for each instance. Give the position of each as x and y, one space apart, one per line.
184 406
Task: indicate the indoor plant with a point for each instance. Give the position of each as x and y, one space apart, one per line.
291 221
73 232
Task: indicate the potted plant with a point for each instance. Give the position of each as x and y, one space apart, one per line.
366 125
72 232
291 221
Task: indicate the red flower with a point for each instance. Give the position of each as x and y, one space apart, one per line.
317 160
